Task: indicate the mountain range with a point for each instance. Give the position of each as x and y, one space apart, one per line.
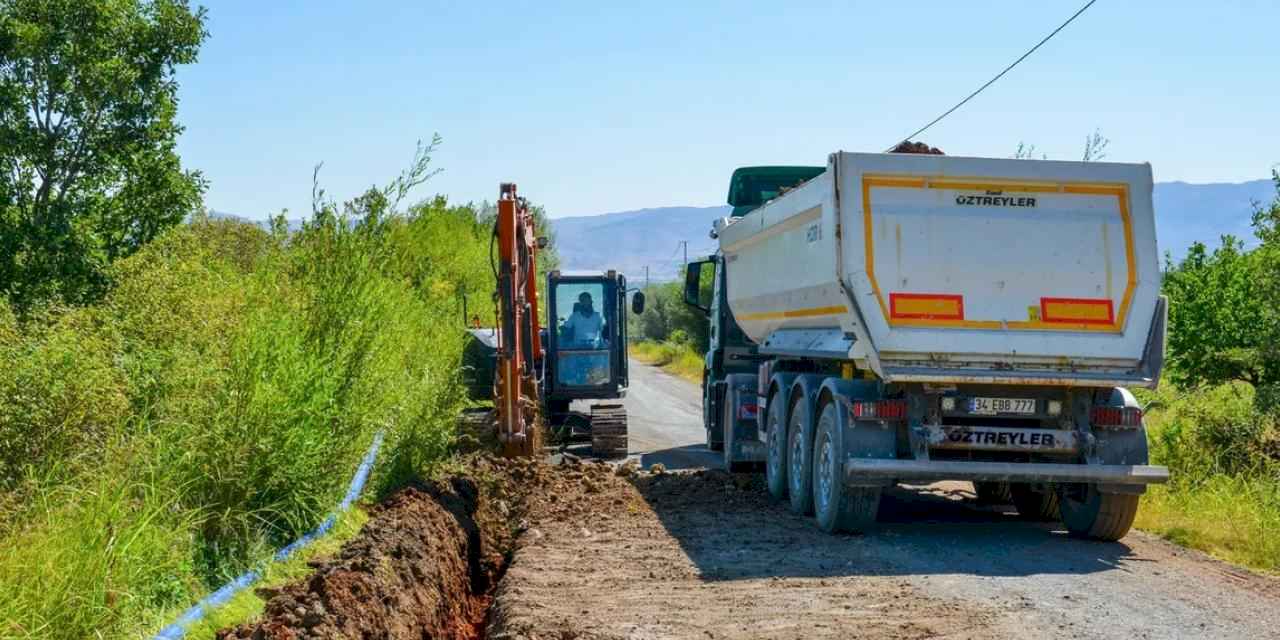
631 240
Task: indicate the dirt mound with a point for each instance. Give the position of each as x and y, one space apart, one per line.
428 560
907 146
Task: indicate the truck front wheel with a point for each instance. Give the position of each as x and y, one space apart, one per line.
836 507
1089 513
776 447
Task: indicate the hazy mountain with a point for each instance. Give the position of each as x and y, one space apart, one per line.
1186 213
629 240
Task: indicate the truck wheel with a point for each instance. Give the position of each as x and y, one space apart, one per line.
715 434
836 507
775 470
1034 504
1089 513
800 459
727 417
993 492
712 443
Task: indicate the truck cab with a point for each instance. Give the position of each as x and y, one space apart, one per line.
730 351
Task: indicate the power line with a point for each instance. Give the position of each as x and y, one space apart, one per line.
997 76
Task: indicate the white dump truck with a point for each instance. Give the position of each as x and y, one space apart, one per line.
900 318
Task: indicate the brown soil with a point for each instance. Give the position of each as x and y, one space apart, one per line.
426 563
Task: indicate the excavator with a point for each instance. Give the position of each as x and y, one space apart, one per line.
539 372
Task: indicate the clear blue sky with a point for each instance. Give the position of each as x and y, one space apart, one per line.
594 108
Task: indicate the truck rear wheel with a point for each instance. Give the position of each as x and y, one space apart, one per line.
1089 513
800 458
993 492
1034 503
775 470
836 507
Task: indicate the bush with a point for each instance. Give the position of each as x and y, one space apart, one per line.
214 404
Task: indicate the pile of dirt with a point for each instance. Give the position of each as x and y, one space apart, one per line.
907 146
428 560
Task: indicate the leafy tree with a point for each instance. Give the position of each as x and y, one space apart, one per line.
88 171
1223 319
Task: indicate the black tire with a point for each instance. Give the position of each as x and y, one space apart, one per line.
993 492
1089 513
775 470
726 443
800 458
1034 504
715 434
836 507
712 444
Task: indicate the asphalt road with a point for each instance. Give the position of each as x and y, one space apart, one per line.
1028 580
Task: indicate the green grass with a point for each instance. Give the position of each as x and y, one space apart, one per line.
675 358
1223 454
247 605
214 405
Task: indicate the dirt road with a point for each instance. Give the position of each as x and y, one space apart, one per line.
708 555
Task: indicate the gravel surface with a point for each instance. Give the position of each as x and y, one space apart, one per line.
708 555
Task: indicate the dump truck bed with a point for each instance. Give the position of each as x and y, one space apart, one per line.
950 269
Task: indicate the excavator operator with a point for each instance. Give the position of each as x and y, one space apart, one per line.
584 326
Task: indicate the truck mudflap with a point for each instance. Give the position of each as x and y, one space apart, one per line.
868 471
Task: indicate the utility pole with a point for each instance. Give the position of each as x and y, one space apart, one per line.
686 250
646 277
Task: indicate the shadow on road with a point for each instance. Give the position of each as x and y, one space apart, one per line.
693 456
731 529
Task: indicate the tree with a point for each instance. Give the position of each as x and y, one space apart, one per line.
1223 319
88 171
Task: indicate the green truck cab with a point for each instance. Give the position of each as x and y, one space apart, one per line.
730 351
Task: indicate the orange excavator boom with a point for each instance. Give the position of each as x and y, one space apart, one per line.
516 390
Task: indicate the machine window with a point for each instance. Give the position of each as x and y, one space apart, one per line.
583 333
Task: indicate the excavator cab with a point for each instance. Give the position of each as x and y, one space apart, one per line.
586 337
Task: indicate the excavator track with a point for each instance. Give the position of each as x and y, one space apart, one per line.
609 430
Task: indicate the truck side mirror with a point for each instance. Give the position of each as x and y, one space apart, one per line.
693 285
637 302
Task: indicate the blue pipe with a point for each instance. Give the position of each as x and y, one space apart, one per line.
220 597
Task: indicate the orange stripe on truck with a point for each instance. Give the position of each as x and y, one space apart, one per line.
1077 310
926 306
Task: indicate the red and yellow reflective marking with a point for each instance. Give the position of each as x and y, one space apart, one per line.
1077 310
926 306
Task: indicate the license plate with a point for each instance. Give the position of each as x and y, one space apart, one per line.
995 406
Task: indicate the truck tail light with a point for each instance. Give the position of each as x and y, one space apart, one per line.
748 411
880 410
1115 417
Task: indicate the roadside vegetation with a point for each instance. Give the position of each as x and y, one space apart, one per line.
674 355
1216 420
671 334
182 396
212 406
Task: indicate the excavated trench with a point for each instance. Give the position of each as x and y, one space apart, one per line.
429 559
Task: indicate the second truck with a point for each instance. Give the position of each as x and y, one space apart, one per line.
899 318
